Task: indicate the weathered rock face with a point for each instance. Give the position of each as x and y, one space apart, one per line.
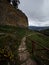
11 16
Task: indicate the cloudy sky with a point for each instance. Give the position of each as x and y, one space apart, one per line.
37 11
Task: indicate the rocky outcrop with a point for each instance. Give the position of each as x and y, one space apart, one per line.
11 16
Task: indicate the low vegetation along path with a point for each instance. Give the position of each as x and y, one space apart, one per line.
24 54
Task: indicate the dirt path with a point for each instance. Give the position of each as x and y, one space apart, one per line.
24 54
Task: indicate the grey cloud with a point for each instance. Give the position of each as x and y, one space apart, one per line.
35 9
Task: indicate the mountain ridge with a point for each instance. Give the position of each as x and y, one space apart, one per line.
38 28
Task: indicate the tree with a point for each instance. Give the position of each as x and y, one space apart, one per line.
15 3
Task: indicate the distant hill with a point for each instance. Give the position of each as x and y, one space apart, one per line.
38 28
46 32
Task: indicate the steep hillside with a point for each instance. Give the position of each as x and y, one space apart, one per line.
10 39
38 46
11 16
36 43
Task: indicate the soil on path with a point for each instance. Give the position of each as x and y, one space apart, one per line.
24 55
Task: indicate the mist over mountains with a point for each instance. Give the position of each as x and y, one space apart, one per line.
38 28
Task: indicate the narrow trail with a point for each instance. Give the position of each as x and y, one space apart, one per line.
24 54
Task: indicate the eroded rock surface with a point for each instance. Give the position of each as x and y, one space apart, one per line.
11 16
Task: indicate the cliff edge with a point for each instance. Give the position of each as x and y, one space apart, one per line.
11 16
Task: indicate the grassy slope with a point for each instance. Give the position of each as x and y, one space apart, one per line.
10 39
42 56
15 34
46 32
